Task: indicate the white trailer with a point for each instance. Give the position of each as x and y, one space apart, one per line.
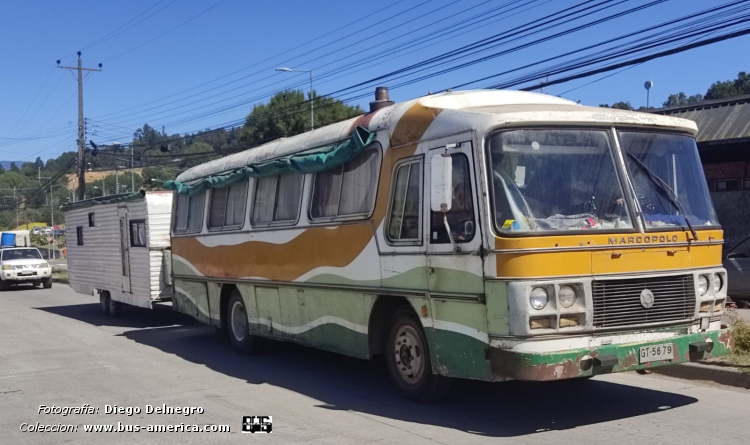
118 248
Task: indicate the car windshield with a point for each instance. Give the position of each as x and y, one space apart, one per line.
673 159
556 179
21 254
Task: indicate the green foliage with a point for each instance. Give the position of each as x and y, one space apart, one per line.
730 88
13 167
741 335
619 106
682 99
153 177
287 114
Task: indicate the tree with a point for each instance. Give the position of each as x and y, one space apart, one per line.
14 167
2 169
682 99
729 88
619 105
288 114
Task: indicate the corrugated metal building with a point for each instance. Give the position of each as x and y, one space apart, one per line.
724 146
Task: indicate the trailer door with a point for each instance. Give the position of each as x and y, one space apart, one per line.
124 248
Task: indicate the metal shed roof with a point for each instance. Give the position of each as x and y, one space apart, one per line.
717 120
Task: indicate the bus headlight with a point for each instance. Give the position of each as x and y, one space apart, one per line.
566 296
702 285
538 298
717 283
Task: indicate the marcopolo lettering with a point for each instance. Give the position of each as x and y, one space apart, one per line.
652 239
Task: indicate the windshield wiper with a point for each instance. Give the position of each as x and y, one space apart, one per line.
666 190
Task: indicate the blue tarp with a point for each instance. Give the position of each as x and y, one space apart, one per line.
317 160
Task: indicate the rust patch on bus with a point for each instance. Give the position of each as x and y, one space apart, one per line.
506 364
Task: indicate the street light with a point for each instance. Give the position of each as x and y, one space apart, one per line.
291 70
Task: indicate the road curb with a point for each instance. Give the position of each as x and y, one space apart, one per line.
722 375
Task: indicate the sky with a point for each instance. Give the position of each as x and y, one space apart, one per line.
190 65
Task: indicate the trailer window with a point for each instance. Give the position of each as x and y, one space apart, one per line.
404 222
138 233
91 219
79 235
348 190
277 198
189 215
227 208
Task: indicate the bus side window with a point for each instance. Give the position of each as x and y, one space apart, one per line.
405 222
461 214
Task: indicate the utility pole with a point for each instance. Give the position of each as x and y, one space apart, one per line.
81 125
132 173
16 200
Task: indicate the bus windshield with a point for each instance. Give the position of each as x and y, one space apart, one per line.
565 179
556 179
674 160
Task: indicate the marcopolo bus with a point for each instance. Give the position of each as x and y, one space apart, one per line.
488 235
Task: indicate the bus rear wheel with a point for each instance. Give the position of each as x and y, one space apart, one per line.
237 326
408 359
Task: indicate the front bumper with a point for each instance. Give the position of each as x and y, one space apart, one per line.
587 362
25 275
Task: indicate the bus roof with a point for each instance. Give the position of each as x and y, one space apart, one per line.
455 110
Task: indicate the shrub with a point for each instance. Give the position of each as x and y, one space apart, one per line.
741 335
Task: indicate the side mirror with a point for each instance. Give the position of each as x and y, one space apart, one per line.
441 182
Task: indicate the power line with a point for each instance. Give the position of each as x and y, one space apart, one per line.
167 31
122 28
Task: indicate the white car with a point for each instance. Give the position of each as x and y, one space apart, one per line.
24 265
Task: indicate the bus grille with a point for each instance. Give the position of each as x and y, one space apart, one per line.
618 302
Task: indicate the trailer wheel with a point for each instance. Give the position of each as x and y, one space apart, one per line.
47 283
104 302
408 359
237 325
115 308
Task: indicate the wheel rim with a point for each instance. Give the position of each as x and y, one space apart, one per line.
238 321
409 354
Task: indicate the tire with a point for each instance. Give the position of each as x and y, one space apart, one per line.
104 302
115 308
408 359
237 326
36 283
4 285
47 283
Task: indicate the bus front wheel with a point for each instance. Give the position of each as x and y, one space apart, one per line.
237 325
408 359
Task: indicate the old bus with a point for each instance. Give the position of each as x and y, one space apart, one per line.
487 235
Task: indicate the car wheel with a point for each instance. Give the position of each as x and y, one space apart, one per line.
4 285
47 283
36 283
408 359
238 328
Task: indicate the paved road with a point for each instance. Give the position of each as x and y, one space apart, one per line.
56 348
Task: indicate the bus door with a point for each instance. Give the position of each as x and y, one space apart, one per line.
454 262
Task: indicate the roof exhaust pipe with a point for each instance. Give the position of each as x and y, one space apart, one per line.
382 99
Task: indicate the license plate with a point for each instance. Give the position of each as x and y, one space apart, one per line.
656 352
